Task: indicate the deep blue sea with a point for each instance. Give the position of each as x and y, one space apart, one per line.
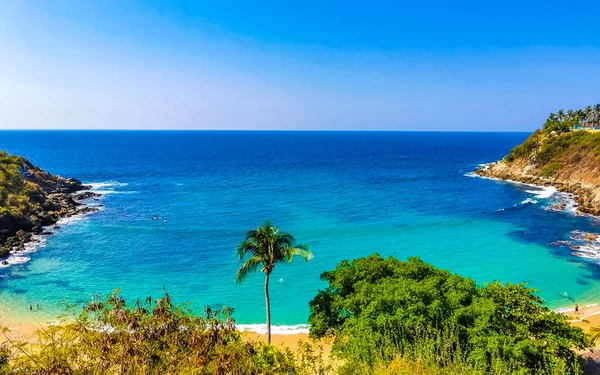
345 194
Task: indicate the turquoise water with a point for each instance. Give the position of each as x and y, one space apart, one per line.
345 194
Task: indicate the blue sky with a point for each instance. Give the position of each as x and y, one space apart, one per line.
377 65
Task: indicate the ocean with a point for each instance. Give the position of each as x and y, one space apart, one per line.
345 194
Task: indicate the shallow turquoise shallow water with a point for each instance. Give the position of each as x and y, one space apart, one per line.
345 194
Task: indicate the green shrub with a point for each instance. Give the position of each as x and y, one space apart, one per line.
551 168
525 149
18 197
379 310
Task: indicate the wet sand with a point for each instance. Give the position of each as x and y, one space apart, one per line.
587 317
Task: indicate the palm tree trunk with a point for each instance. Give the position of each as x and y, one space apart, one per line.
268 309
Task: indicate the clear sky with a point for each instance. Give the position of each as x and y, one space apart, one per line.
385 65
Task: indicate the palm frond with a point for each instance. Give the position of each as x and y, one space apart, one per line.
595 334
303 252
267 245
247 268
247 247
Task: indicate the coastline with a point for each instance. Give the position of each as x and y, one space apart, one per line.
581 244
26 242
26 330
582 193
586 318
570 197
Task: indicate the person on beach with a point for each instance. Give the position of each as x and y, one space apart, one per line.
577 308
30 308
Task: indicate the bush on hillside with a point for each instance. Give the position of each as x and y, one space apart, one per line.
527 148
18 197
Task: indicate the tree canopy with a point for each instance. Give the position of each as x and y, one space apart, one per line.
381 310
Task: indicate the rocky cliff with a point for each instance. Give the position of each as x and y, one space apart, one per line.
31 198
569 161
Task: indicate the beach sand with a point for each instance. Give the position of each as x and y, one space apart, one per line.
587 317
25 330
290 341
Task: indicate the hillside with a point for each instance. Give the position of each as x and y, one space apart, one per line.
556 156
31 198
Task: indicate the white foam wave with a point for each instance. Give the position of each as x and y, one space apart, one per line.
14 259
111 191
529 200
539 192
276 330
563 310
108 187
543 192
106 184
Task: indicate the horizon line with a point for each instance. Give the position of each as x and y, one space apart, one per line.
274 130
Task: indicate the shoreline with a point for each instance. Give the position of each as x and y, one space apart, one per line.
576 189
570 197
586 318
581 244
26 330
30 241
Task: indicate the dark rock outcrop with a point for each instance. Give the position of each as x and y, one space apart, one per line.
56 198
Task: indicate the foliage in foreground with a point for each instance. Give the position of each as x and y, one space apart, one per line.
398 317
108 337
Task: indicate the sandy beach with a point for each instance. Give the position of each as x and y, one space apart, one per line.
289 341
586 318
25 330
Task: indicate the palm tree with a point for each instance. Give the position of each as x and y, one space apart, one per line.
595 334
560 115
267 246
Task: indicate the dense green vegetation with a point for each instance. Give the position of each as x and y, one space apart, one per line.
17 196
544 149
385 314
267 246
